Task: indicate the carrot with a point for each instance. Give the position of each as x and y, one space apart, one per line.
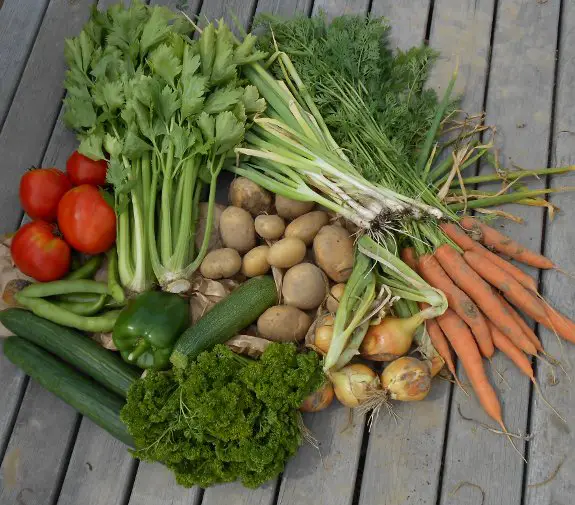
511 351
480 292
462 341
506 245
463 306
434 331
527 330
560 324
466 243
507 284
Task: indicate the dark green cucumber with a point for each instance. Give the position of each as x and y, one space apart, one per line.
77 390
238 310
104 366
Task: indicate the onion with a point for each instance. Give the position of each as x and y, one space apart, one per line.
354 384
334 297
322 337
406 379
319 400
390 339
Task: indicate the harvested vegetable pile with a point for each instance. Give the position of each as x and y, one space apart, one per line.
224 417
346 237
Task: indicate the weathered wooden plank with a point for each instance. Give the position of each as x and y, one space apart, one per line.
334 8
19 22
416 441
99 469
216 9
519 103
156 485
285 8
36 103
550 449
22 142
34 458
408 20
461 32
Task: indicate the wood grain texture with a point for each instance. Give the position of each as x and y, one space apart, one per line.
519 102
285 8
216 9
19 22
36 455
36 103
13 382
326 476
238 495
551 468
99 469
334 8
461 31
408 20
156 485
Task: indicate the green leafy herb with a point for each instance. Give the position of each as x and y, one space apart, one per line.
225 417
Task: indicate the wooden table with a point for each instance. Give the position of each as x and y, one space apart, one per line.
516 63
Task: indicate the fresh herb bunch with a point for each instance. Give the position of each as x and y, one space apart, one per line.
225 417
168 111
351 58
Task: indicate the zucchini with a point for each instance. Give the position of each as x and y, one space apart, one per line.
236 311
104 366
77 390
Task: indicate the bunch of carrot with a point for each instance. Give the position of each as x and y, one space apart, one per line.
481 288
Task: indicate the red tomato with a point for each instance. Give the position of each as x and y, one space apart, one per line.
38 253
86 220
83 170
40 192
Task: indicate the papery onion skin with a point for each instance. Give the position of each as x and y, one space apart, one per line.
319 400
406 379
354 384
322 337
389 339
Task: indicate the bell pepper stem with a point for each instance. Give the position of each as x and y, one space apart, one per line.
140 349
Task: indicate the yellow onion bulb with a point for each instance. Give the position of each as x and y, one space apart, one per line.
354 384
318 400
406 379
322 337
389 339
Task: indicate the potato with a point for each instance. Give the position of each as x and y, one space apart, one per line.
333 251
249 196
221 263
306 227
237 229
286 253
255 262
334 297
270 227
304 286
283 323
290 209
215 238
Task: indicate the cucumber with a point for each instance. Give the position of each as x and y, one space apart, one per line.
77 390
238 310
104 366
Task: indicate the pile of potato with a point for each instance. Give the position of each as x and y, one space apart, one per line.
313 251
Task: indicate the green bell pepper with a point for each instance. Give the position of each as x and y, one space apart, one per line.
148 328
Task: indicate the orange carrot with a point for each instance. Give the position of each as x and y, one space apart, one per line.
466 243
434 331
431 271
507 284
506 245
559 324
527 330
480 292
511 351
467 351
